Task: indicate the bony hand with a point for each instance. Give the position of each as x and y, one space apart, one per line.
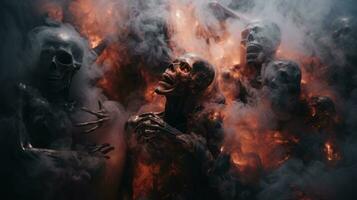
102 116
154 124
101 150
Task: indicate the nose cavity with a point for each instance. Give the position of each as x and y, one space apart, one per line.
250 37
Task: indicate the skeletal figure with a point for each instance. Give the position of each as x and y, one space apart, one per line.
185 84
259 44
281 79
169 138
59 54
44 128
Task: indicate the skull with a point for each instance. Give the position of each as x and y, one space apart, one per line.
282 80
60 57
345 38
188 74
260 41
342 27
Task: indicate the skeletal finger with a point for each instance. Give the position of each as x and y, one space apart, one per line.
100 105
99 114
107 150
100 147
99 121
92 129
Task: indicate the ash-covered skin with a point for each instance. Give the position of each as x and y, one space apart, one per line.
259 44
258 48
41 137
59 52
169 140
281 80
260 71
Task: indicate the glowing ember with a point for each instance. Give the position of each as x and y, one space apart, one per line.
331 152
255 149
95 18
191 34
144 177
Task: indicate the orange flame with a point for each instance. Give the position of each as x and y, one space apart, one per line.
144 176
95 19
331 152
254 148
190 34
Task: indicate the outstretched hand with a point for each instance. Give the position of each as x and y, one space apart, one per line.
102 116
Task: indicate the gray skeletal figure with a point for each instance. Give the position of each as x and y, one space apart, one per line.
282 81
259 44
42 138
58 54
261 69
170 138
338 51
342 27
260 41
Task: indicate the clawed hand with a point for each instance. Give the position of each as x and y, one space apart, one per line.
102 116
100 150
150 126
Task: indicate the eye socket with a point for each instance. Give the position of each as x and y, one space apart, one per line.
250 38
257 29
185 67
244 34
63 57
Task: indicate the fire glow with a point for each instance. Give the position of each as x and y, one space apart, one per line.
332 155
258 149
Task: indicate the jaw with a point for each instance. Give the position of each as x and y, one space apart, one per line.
166 85
164 91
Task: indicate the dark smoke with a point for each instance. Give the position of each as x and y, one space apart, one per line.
314 25
307 26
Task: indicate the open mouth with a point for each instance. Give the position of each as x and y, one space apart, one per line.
254 48
253 52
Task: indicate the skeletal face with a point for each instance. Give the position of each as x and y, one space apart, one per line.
345 38
60 58
186 75
282 79
260 41
342 27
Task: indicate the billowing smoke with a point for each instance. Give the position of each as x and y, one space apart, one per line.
144 36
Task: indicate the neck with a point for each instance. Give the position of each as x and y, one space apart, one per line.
178 109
